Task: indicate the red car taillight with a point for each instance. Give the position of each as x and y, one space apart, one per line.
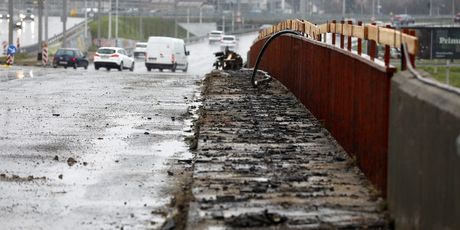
114 55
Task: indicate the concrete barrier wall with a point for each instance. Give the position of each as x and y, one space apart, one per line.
347 92
424 156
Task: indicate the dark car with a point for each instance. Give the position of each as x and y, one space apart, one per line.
403 19
457 17
68 57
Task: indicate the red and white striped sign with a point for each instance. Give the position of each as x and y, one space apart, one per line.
10 59
5 45
45 54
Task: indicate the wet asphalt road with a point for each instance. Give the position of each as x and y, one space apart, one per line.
86 149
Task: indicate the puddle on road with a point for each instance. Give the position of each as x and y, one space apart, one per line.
15 75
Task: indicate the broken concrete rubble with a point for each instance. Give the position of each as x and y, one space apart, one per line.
263 161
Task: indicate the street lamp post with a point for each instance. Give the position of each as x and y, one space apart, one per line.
10 24
116 23
109 36
86 19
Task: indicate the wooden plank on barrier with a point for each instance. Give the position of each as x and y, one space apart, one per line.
339 28
333 27
358 31
323 28
397 39
347 29
387 36
411 42
372 32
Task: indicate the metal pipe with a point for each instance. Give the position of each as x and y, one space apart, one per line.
426 80
261 52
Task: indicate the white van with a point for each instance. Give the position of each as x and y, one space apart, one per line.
166 53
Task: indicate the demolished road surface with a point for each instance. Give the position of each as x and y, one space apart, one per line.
263 161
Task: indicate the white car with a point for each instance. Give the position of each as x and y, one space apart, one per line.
228 41
113 57
140 49
215 36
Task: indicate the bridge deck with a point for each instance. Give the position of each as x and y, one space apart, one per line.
264 161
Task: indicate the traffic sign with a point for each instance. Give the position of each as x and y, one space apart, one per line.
11 50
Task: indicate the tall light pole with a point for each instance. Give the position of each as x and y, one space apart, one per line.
453 7
431 7
116 23
141 26
344 2
10 24
47 8
86 19
64 22
373 9
40 25
99 23
188 23
109 34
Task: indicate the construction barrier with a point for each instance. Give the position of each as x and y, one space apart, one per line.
10 59
45 54
5 46
346 90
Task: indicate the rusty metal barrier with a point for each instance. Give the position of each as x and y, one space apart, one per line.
346 90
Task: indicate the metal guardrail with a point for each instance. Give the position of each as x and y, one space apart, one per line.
56 38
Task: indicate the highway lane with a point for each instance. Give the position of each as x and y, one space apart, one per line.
87 149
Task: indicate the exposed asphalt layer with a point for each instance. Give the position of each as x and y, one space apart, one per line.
263 161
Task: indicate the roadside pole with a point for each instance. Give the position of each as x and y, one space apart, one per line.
64 22
188 24
10 24
99 23
86 19
40 29
47 5
109 36
116 23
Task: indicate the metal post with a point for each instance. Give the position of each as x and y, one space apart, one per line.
116 23
233 20
201 14
40 26
86 19
10 24
344 2
175 18
373 10
47 8
453 7
99 23
64 23
188 23
109 34
448 72
141 26
223 23
431 7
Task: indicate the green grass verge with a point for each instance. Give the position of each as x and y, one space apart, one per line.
439 74
128 27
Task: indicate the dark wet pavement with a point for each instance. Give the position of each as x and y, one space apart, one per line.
90 150
263 161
